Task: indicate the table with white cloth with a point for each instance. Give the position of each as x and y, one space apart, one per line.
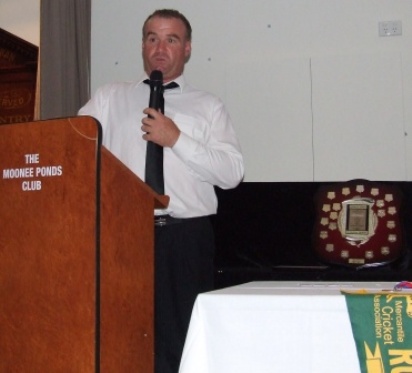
263 327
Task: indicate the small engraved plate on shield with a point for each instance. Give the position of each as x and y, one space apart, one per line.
357 221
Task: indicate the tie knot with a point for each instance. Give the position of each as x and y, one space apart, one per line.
170 85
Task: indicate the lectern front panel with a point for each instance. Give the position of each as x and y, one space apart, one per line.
48 237
76 253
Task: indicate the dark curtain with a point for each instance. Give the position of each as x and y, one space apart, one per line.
65 29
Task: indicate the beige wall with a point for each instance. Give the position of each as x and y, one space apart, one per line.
314 91
22 18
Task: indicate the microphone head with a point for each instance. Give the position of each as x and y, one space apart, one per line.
156 76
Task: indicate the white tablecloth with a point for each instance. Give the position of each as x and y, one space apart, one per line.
268 327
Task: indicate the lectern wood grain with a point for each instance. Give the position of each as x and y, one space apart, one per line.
76 253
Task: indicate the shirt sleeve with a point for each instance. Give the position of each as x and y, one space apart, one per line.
217 159
95 105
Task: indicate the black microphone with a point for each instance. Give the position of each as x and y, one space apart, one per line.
156 89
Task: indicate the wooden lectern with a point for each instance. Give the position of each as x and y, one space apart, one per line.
76 253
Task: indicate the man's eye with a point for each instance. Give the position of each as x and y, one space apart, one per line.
172 41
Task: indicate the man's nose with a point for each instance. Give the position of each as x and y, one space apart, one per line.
161 45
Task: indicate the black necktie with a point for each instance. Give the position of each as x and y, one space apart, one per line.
154 153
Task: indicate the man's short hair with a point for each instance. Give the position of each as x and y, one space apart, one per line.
170 13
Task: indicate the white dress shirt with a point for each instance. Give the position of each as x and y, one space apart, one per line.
207 152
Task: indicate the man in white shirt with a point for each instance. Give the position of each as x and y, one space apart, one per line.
200 151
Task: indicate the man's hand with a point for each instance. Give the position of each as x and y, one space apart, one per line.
159 129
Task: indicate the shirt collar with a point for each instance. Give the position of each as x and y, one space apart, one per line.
179 80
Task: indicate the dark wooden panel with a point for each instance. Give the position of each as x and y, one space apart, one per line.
18 74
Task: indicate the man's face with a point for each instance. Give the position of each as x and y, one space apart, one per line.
165 47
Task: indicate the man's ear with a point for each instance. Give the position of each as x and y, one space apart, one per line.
188 50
